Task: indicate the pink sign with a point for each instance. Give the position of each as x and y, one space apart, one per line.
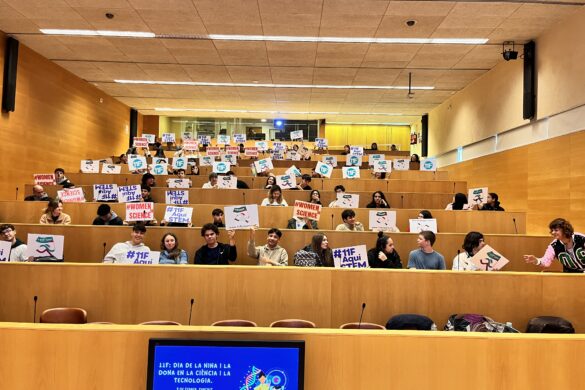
44 179
213 151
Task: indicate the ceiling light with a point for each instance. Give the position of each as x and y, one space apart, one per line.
281 38
370 123
276 112
100 33
319 86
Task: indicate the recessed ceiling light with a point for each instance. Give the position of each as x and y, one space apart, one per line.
99 33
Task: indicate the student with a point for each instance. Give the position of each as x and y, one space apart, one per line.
17 247
61 180
492 203
349 222
181 174
346 150
38 194
212 183
146 193
425 214
54 214
148 180
415 158
118 252
425 257
316 254
378 201
270 181
301 223
472 244
304 184
339 191
217 215
315 197
567 247
393 148
380 175
384 255
170 251
271 253
214 252
105 216
274 197
459 202
242 185
374 146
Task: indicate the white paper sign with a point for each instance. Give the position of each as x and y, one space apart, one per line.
383 166
239 138
141 211
136 162
321 143
90 166
44 179
45 245
206 161
140 142
477 196
204 139
5 248
401 164
251 152
382 220
70 195
307 210
324 169
238 217
356 150
286 182
160 160
293 171
139 256
159 169
351 172
347 200
230 158
428 164
235 150
150 138
221 167
187 135
297 134
180 162
418 225
262 146
277 145
223 139
277 155
179 183
330 160
190 144
488 259
131 193
353 161
111 169
372 158
178 214
168 137
263 165
105 192
229 182
177 197
351 257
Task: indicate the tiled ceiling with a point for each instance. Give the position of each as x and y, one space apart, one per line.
448 68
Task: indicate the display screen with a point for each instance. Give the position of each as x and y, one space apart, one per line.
176 364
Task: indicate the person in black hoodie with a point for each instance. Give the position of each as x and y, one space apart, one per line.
105 216
492 203
384 255
61 179
213 252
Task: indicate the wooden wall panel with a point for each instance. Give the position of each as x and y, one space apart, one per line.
59 120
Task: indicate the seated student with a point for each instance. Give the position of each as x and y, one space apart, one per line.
118 252
274 197
122 159
346 150
148 180
384 255
378 201
379 175
271 253
492 203
61 180
425 257
17 247
315 197
105 216
270 181
38 194
242 185
171 252
54 214
301 223
146 193
181 174
339 190
159 151
393 148
315 175
349 222
316 254
304 184
472 244
425 214
217 215
212 183
193 168
459 202
213 252
374 146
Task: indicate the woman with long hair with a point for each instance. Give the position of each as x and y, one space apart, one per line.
54 214
315 197
378 201
170 251
384 255
459 202
274 197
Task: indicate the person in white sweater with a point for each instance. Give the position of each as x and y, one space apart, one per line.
119 251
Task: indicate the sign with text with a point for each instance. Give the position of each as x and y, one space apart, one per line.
139 256
356 150
286 182
324 169
251 151
231 159
383 166
204 139
239 217
353 161
277 155
477 196
136 162
330 160
220 167
105 192
347 200
307 210
239 138
150 138
262 146
428 164
141 211
70 195
235 150
401 164
321 143
45 245
223 139
213 151
382 220
179 183
488 259
5 248
129 193
140 142
277 145
351 172
90 166
160 160
168 137
111 169
159 169
230 182
187 135
178 214
420 224
177 197
180 162
297 134
190 144
372 158
293 155
206 161
44 179
293 171
263 165
351 257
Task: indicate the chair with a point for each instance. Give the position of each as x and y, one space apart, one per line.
363 325
64 315
235 323
159 323
293 323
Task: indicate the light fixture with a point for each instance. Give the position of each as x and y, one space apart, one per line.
262 120
169 109
318 86
509 53
283 38
370 123
99 33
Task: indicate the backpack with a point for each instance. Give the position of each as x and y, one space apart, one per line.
411 322
549 324
476 323
305 258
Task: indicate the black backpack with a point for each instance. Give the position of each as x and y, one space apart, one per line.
549 324
410 321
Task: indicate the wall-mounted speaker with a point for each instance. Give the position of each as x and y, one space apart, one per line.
10 68
529 103
424 124
133 125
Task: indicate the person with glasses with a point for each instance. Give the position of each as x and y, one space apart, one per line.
17 248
